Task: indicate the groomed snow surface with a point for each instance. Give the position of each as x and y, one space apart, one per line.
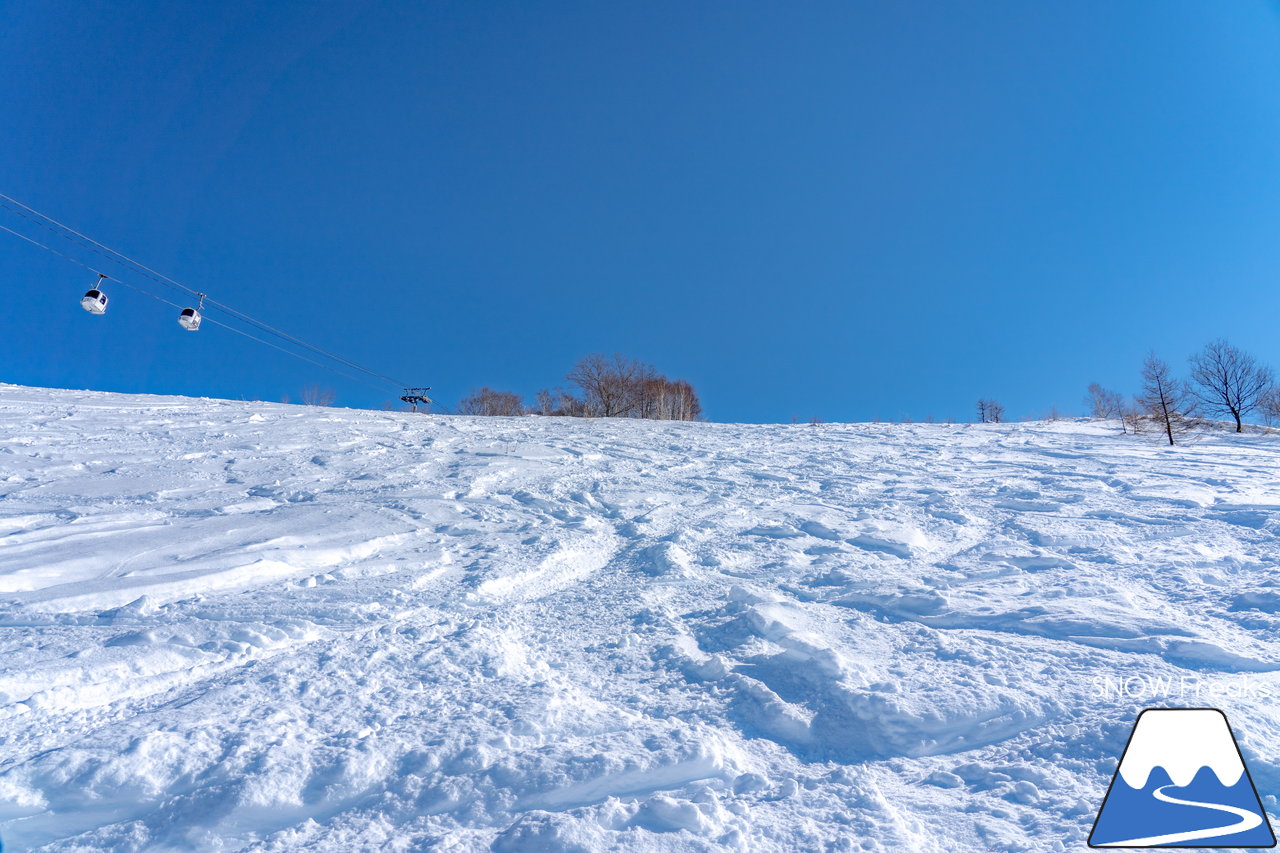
246 626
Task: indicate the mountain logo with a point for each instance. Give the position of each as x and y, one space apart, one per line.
1182 782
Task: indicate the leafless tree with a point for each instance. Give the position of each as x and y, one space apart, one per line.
544 403
1269 405
1229 381
1165 400
687 406
608 385
1106 404
1102 404
558 402
659 398
650 396
315 395
570 406
989 411
1131 417
487 401
623 387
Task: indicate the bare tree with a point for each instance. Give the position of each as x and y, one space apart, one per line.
1165 400
1228 381
1131 417
558 402
1106 404
608 384
687 406
989 411
650 396
315 395
1103 404
570 406
487 401
658 398
623 387
1270 405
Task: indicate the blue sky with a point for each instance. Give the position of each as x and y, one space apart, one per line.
843 210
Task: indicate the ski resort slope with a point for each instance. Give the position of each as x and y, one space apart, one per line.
245 626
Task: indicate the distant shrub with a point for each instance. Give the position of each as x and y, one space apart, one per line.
316 395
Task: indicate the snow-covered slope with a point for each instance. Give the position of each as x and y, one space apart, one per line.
236 626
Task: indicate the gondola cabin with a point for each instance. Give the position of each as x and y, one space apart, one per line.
95 302
189 319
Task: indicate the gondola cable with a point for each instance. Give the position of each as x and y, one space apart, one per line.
103 276
121 259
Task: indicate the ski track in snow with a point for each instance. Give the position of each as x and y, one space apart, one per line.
235 626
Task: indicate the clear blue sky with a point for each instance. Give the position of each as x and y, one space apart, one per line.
841 210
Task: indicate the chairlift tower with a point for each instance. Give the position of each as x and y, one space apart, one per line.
414 396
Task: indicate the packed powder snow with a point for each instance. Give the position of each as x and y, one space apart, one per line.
244 626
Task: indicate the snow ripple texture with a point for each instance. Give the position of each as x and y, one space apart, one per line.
243 626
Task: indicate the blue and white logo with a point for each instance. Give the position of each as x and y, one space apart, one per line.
1182 783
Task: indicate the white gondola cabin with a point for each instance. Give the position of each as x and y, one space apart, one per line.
95 301
189 319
